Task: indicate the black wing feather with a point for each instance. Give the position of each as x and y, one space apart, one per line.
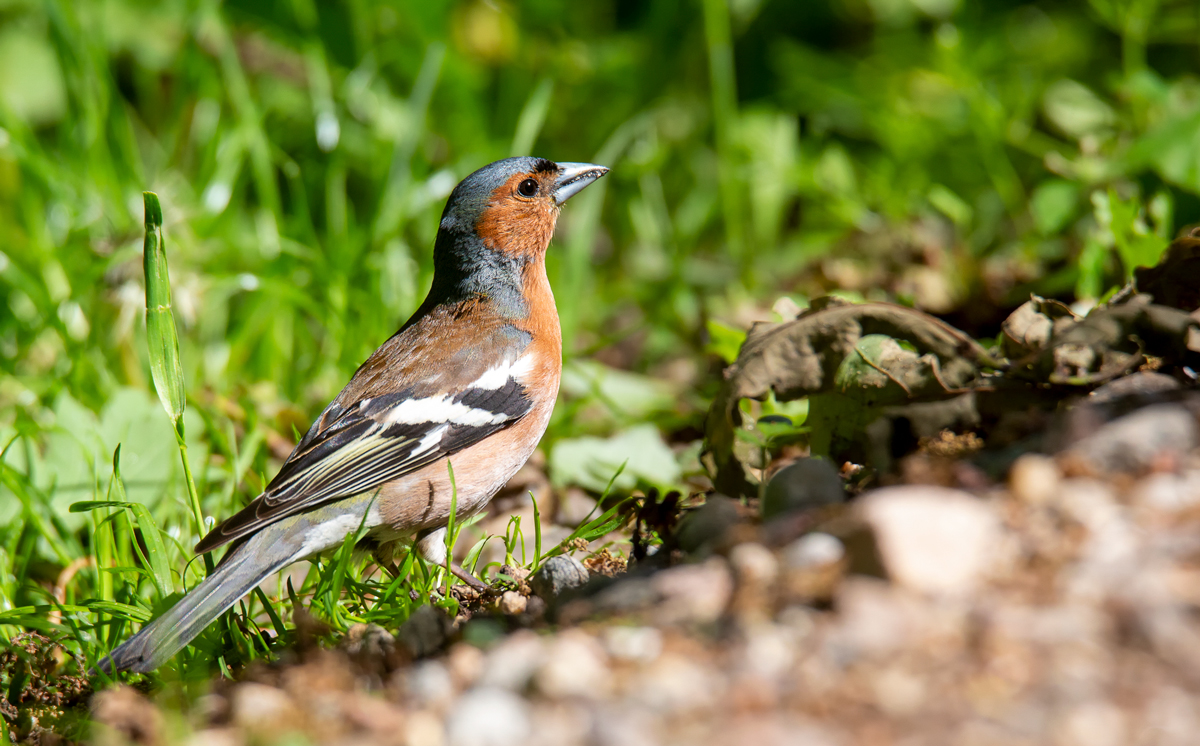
352 450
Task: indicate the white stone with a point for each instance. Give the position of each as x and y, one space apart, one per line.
640 644
1092 724
260 708
813 550
932 539
430 684
754 564
488 717
1034 478
1168 493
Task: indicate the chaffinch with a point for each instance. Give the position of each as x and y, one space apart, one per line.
470 378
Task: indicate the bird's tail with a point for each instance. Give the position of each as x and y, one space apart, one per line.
268 551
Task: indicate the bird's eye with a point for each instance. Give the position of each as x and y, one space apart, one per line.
527 188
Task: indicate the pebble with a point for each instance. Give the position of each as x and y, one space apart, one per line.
704 528
675 684
215 737
1035 479
769 650
873 619
931 539
488 716
1142 382
635 644
1092 724
512 603
259 708
693 593
368 640
575 665
430 684
805 484
624 726
512 663
1168 493
465 663
373 651
424 728
754 564
898 692
1133 443
815 549
557 576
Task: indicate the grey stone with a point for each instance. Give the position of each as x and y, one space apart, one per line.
558 575
808 483
702 529
512 663
1132 443
1142 382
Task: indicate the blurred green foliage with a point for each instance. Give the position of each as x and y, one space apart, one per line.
953 155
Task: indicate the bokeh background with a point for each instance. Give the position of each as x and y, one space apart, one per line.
951 155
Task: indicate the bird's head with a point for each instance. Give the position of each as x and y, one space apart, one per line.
501 218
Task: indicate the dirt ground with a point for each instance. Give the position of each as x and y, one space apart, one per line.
1056 604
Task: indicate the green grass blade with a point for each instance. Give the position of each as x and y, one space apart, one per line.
276 622
451 527
161 335
160 568
537 534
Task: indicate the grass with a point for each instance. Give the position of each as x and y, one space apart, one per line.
954 156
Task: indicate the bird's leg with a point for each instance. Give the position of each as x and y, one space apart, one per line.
431 545
382 554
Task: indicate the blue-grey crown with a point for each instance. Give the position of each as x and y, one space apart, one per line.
470 197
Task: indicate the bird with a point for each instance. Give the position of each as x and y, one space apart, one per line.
463 392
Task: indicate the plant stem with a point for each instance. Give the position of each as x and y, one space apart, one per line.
193 493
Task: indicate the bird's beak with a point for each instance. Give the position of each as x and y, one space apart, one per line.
573 177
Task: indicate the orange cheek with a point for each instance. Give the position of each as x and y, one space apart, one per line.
516 226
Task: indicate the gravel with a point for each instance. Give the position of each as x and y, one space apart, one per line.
1057 607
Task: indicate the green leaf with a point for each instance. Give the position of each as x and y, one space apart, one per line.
88 505
632 396
1136 244
1075 109
950 205
123 610
1172 148
1053 204
724 341
31 78
161 335
590 462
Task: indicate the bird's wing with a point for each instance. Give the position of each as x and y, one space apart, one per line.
355 448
